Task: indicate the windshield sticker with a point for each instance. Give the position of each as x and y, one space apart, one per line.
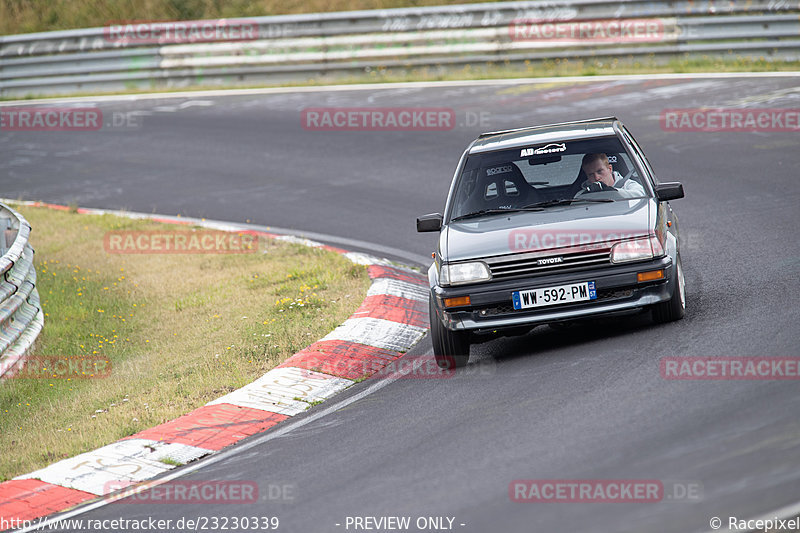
612 159
505 169
547 149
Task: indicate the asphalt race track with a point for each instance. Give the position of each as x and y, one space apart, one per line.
583 404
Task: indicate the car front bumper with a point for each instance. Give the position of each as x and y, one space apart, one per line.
491 306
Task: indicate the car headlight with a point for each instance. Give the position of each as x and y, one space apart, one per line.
637 250
460 273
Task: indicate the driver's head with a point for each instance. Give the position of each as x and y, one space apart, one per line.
598 169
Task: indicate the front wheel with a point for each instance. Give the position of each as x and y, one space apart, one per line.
450 348
675 307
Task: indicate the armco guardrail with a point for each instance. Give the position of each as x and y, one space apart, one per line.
21 317
301 47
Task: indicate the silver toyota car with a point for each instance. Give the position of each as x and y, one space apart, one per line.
549 224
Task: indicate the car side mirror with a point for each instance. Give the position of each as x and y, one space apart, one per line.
669 191
431 222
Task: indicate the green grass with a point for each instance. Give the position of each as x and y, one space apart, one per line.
26 16
179 330
23 16
500 70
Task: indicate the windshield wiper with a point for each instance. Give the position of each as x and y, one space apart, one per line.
496 211
568 201
538 206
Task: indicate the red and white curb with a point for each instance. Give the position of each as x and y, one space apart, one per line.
129 461
392 318
285 391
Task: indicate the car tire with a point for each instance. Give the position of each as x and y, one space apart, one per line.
675 307
450 348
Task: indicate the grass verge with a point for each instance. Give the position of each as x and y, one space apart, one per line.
490 71
179 329
26 16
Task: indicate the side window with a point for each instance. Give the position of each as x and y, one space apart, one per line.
468 187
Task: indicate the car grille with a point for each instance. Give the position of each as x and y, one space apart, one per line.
602 296
523 265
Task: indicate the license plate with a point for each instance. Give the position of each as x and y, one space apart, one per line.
562 294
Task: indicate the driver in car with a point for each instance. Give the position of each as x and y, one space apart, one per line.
600 176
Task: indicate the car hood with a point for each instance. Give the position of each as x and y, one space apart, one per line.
550 229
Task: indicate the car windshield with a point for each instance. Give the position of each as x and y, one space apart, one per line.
544 176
